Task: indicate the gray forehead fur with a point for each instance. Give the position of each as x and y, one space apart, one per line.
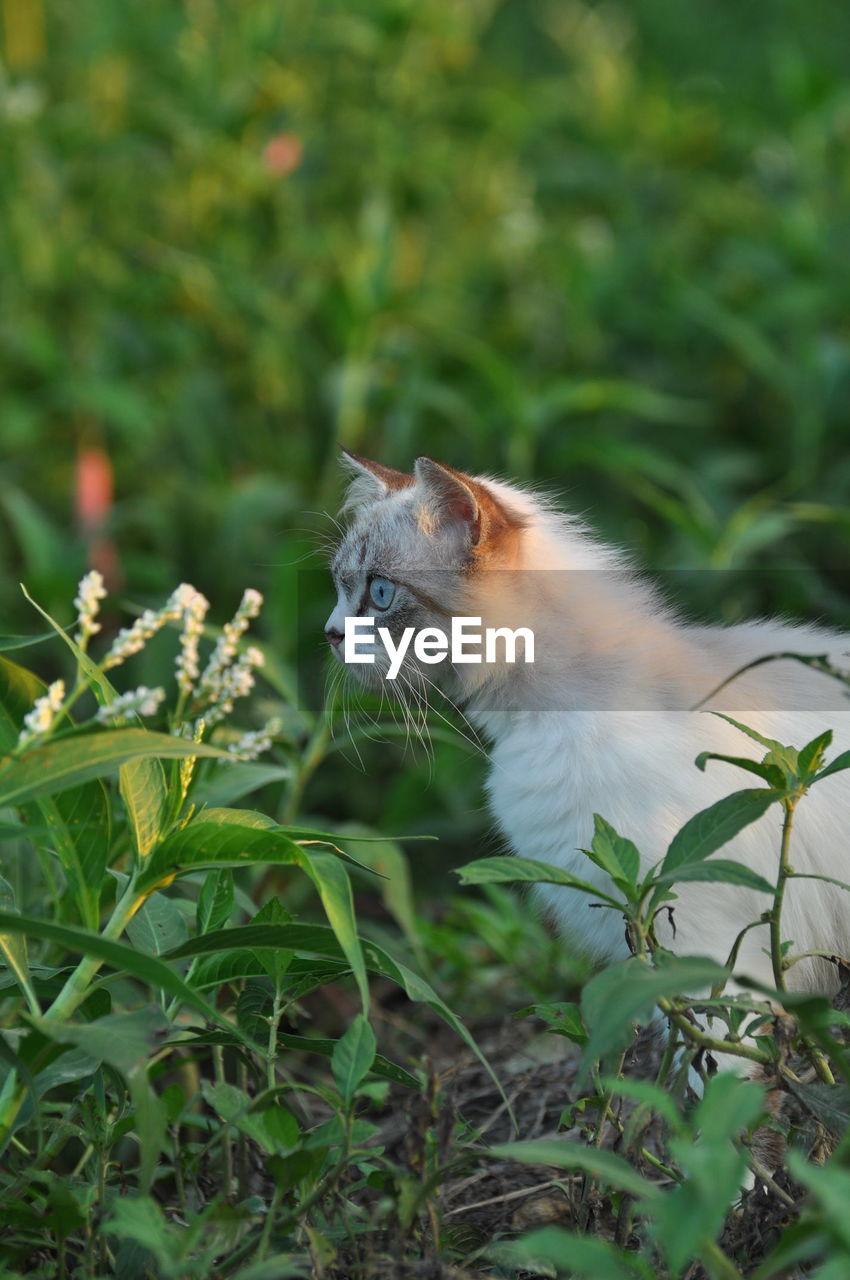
396 534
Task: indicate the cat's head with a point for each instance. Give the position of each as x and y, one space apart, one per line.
417 551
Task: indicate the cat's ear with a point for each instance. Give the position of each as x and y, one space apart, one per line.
450 495
370 480
467 502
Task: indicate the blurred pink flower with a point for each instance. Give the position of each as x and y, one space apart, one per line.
282 154
93 502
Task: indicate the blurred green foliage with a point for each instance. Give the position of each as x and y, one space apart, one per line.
600 247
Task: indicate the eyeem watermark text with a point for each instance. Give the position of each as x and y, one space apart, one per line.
431 644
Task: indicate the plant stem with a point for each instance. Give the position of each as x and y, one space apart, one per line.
711 1043
70 997
776 910
76 988
312 758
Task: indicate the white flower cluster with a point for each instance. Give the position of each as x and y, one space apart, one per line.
193 626
235 681
90 592
131 639
227 645
43 713
253 743
142 701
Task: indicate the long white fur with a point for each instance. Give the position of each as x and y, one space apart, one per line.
601 724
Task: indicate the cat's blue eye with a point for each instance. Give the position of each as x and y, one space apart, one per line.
381 592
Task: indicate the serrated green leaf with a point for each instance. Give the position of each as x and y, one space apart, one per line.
811 755
837 766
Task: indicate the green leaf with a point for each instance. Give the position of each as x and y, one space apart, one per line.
148 969
770 744
562 1153
14 949
837 766
626 993
144 792
728 1105
715 826
581 1257
353 1056
219 838
506 870
614 854
389 861
314 939
691 1215
828 1103
123 1040
647 1093
238 837
770 773
142 781
331 879
229 782
76 825
274 960
381 1066
77 757
720 870
562 1017
7 643
216 900
140 1219
158 926
811 755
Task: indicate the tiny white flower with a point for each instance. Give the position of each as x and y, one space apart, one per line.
253 743
142 701
90 592
236 681
226 646
131 639
194 612
41 717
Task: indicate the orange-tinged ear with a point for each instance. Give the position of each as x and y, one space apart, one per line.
388 476
489 523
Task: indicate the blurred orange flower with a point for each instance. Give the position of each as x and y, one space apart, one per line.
282 154
94 486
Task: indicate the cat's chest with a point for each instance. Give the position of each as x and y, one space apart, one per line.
550 775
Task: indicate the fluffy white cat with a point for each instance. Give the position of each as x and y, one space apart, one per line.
601 721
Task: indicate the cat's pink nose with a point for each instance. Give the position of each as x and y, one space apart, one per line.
334 636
